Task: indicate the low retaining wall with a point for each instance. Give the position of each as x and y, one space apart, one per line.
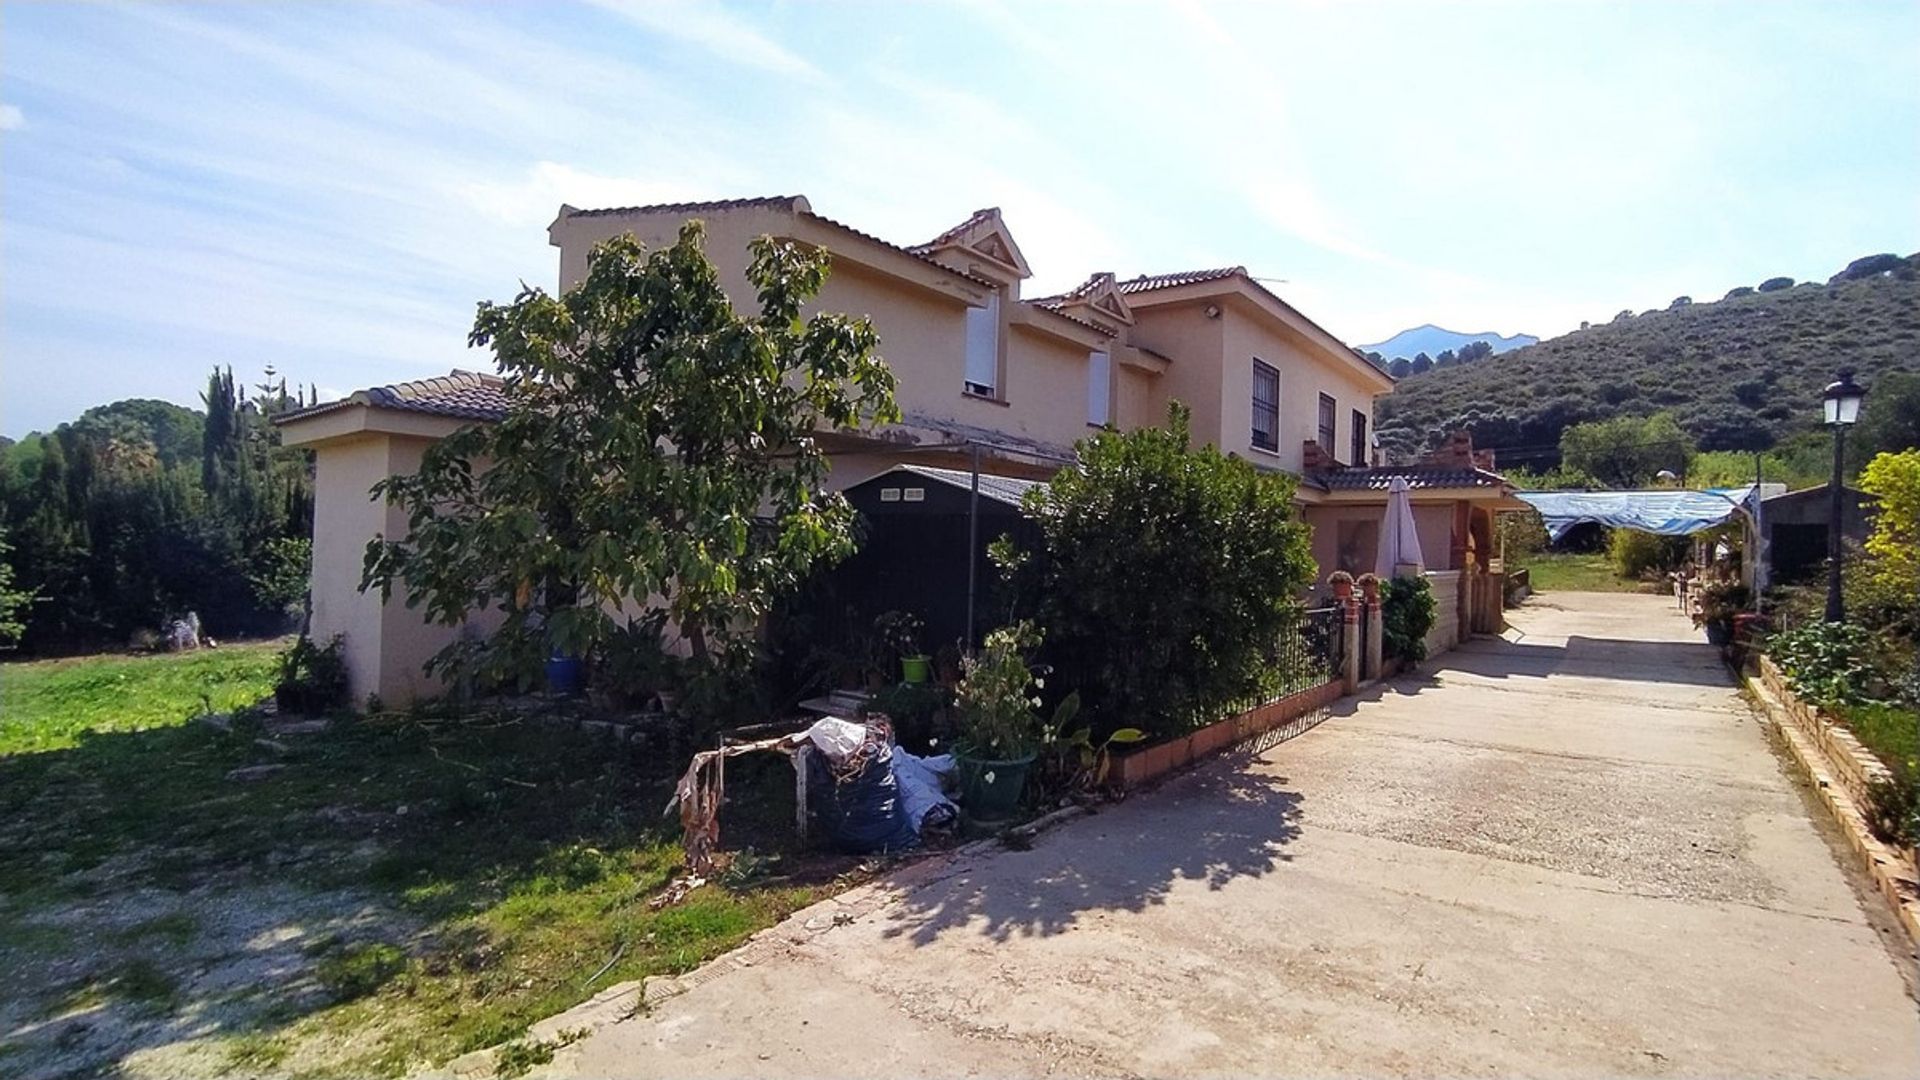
1853 764
1839 768
1132 769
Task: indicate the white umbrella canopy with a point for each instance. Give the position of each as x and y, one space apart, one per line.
1399 541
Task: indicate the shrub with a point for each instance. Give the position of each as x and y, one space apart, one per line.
1636 554
1893 807
1829 664
1165 576
313 678
997 698
1891 570
1406 614
1775 284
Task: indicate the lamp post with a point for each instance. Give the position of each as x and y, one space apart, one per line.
1843 408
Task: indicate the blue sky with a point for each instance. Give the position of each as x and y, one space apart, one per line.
330 187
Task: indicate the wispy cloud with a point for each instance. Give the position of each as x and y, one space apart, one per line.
11 118
713 28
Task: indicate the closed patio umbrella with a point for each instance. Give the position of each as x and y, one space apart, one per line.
1399 542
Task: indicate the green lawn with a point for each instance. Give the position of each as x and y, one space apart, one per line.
1552 572
48 704
360 901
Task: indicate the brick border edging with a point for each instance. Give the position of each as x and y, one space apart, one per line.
1838 767
1131 770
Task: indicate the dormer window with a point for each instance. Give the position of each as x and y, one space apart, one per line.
983 348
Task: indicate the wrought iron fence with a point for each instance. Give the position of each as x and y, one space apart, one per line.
1307 653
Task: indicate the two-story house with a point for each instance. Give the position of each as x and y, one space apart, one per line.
987 378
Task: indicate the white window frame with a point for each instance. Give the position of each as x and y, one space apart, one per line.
983 348
1099 388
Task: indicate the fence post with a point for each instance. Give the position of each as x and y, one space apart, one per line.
1342 583
1370 595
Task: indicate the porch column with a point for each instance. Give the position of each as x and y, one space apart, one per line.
1350 644
1370 595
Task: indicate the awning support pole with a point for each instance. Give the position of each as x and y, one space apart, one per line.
973 540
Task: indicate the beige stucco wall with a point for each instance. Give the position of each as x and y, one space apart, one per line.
1305 374
386 646
918 311
1186 334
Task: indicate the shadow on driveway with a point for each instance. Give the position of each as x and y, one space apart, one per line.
1213 825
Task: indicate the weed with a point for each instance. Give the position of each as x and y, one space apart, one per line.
519 1057
359 970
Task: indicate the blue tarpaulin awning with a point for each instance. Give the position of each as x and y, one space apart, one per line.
1668 513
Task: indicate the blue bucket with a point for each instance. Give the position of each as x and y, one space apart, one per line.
565 674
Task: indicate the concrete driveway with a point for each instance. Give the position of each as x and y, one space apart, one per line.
1568 853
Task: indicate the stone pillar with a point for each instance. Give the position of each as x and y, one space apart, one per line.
1342 583
1373 660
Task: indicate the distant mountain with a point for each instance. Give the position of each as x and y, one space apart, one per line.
1434 340
1739 373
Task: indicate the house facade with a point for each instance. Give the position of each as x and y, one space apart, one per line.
985 374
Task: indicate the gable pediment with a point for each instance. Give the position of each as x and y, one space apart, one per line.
982 236
1101 296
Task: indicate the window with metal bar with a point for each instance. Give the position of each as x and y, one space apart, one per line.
1360 455
1329 408
1266 406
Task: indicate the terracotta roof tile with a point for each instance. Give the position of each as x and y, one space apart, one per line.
915 252
463 395
1149 282
1418 478
953 234
783 202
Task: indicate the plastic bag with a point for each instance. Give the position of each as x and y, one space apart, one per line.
858 803
919 779
836 738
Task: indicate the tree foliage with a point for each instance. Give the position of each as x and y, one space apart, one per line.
659 463
116 523
1627 451
1891 570
1167 577
1742 373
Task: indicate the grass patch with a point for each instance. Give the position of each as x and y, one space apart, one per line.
1891 732
359 970
519 856
1551 572
52 704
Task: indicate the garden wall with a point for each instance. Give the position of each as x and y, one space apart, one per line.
1138 767
1840 769
1446 611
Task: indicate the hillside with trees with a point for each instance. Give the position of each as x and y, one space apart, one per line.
142 511
1741 373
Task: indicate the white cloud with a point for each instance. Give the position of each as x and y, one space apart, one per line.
711 27
532 202
11 118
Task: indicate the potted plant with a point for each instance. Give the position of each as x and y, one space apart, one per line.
1000 734
1720 601
900 631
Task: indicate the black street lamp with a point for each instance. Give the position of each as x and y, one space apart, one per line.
1843 408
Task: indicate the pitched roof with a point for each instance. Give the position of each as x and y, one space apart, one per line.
1418 478
911 251
955 233
795 204
1001 489
463 395
778 202
1149 282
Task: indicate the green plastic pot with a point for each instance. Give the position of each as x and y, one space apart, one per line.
990 789
916 669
